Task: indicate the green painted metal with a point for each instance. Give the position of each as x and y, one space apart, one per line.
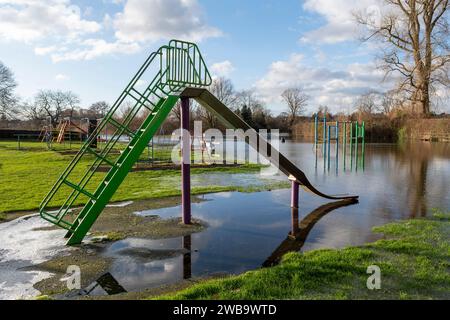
137 113
116 176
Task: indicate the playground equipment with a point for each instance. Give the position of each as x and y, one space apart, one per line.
352 134
355 134
177 70
65 129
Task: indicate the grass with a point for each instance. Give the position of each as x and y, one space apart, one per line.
414 258
27 175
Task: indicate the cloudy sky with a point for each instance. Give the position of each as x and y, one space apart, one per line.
95 47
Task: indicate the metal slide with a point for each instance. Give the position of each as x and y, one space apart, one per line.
233 121
133 120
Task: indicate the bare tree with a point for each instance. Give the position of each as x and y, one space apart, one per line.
176 111
323 111
367 103
296 100
248 98
223 89
71 100
52 105
7 98
99 109
209 119
415 33
30 111
392 100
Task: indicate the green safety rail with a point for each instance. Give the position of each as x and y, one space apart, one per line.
134 118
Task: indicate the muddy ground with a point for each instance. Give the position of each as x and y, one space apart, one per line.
118 221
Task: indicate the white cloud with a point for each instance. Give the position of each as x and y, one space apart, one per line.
59 29
29 21
222 69
336 88
153 20
141 83
61 77
94 48
340 21
42 51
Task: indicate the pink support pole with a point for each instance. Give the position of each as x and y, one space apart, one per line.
186 162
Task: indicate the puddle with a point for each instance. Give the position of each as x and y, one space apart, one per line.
233 242
23 243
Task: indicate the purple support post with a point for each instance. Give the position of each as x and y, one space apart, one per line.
186 162
294 222
294 193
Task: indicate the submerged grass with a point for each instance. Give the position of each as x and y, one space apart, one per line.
414 258
27 175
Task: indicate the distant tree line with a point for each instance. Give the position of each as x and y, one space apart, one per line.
51 106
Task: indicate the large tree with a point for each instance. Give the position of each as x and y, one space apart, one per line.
296 100
53 105
7 98
415 38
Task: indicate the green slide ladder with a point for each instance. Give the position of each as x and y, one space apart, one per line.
134 119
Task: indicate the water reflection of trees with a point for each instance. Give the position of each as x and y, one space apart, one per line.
411 173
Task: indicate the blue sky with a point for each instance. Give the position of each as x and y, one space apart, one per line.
94 47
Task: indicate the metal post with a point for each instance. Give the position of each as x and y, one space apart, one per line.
344 134
337 146
337 132
329 146
324 141
294 192
316 129
186 162
363 129
295 228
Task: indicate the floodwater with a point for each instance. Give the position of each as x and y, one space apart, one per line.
249 230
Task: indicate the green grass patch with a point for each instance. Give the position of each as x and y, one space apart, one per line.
28 174
414 258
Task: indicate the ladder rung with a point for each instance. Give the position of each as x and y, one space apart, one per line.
142 97
77 188
100 157
122 127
